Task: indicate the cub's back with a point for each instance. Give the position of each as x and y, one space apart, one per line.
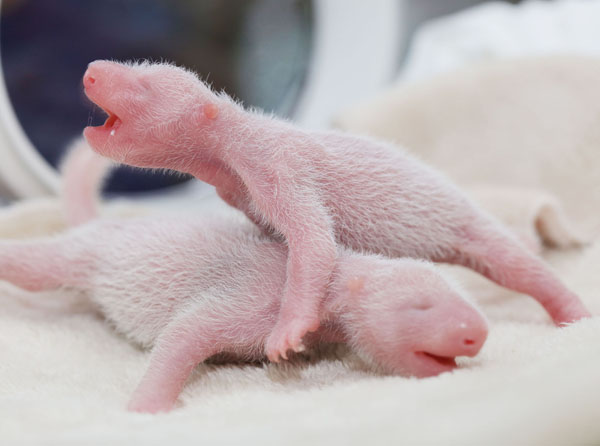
386 201
146 271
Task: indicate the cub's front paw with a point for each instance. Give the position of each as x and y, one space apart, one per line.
288 336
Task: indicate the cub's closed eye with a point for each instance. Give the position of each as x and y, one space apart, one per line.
422 306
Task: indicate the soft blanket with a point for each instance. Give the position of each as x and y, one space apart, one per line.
523 139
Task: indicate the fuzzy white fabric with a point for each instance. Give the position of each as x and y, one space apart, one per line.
65 377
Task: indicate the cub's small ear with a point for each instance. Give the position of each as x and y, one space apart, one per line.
210 111
202 113
356 284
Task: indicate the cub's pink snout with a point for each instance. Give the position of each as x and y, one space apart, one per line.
88 80
100 82
461 331
444 327
466 339
104 79
94 72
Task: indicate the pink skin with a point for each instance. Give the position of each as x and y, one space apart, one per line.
219 288
84 175
311 189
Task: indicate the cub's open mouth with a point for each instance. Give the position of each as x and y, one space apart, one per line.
111 124
445 361
98 135
112 121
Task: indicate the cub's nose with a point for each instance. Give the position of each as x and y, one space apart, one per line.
98 70
467 337
88 79
454 330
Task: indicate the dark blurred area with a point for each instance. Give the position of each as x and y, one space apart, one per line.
256 50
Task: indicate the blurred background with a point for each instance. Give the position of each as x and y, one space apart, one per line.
301 59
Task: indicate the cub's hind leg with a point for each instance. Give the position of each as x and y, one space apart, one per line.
43 264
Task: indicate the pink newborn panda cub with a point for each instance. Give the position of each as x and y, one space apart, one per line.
313 190
192 289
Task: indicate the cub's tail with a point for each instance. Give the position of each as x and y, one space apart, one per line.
83 175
